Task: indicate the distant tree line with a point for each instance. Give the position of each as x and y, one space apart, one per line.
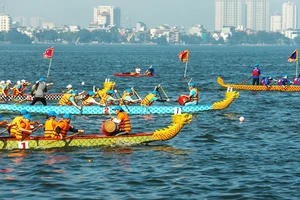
113 36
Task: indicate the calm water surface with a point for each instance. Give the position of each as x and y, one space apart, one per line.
215 157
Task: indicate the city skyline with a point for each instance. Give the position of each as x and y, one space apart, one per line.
153 13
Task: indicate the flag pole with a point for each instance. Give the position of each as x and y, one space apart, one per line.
186 63
297 66
49 67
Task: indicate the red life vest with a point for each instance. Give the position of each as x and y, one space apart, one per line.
296 81
255 72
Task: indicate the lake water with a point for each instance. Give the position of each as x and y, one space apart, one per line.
215 157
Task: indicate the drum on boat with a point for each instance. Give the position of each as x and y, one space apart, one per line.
109 128
182 99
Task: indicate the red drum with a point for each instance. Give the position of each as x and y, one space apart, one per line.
109 128
182 99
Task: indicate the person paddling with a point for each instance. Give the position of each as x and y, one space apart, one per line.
151 97
108 99
50 124
69 100
63 126
150 70
89 99
284 81
127 98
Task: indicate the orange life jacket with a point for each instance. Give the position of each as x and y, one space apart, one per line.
23 124
49 130
124 125
64 127
5 91
20 91
146 101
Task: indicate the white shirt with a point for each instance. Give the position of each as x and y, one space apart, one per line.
138 70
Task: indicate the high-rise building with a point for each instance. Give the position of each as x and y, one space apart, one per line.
22 21
276 23
258 15
228 13
5 22
107 16
35 22
289 16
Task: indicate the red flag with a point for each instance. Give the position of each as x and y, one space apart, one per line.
49 52
184 55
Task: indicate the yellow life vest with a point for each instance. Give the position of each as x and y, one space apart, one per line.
49 130
104 99
65 100
14 128
146 101
196 96
86 102
121 103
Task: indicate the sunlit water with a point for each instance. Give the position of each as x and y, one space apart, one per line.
215 157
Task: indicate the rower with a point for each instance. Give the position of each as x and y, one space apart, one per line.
151 97
12 127
89 99
23 129
50 125
108 99
6 88
127 98
69 100
63 126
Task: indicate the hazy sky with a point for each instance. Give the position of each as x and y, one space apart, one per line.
151 12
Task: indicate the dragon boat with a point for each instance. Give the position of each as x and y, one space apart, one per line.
285 88
55 97
131 110
133 74
98 140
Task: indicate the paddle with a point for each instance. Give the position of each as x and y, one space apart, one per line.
138 96
245 80
4 130
77 133
160 95
168 99
117 92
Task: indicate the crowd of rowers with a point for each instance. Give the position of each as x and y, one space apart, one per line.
268 80
71 97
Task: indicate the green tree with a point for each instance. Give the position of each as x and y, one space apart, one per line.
15 37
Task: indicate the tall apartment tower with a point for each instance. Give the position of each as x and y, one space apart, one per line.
228 13
276 23
5 22
289 16
107 16
258 15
